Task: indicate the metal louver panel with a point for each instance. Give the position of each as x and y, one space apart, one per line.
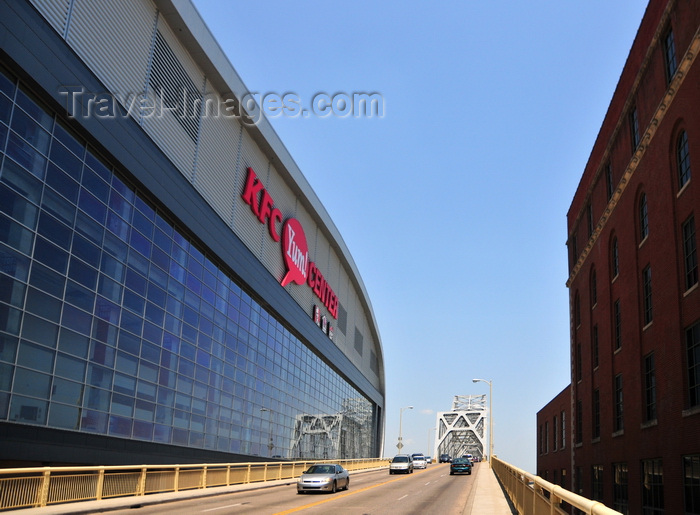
215 174
55 12
114 39
174 86
176 92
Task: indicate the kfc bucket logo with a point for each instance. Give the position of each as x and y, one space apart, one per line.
296 252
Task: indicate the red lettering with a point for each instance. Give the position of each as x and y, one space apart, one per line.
322 289
265 206
312 275
261 203
275 216
250 195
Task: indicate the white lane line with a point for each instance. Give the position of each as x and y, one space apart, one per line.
222 507
402 497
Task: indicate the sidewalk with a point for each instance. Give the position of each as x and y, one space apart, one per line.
487 496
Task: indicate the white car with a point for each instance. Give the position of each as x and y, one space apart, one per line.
419 461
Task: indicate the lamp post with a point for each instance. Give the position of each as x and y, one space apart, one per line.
490 419
400 444
430 451
270 445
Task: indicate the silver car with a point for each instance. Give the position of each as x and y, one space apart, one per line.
402 463
419 461
328 477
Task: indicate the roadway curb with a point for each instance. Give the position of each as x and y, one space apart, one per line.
121 503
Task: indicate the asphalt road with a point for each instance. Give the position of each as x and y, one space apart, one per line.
432 490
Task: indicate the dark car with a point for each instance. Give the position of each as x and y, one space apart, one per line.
460 466
445 458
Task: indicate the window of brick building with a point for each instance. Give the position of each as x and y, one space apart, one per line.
690 257
609 186
595 347
618 422
596 413
652 487
643 217
579 421
692 339
691 483
563 429
646 293
597 482
670 55
620 495
683 159
634 128
649 387
617 321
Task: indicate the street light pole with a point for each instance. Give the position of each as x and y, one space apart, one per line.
400 444
490 419
430 450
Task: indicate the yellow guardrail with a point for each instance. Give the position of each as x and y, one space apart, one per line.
42 486
532 495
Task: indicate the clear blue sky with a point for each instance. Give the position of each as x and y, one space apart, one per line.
453 204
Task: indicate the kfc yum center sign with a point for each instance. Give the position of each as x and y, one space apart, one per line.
295 250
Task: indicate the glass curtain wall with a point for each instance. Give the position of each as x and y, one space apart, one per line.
113 321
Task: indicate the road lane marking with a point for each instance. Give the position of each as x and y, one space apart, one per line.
400 498
333 498
223 507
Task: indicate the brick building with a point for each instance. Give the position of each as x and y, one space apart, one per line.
633 280
554 440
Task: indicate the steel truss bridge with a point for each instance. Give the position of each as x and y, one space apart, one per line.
462 430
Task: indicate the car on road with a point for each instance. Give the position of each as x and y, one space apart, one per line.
326 477
402 463
428 459
445 458
419 461
460 466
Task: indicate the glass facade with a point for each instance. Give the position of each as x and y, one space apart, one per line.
113 321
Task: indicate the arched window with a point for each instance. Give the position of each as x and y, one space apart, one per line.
614 259
643 217
683 159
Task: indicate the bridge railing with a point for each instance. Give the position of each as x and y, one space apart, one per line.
43 486
532 495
